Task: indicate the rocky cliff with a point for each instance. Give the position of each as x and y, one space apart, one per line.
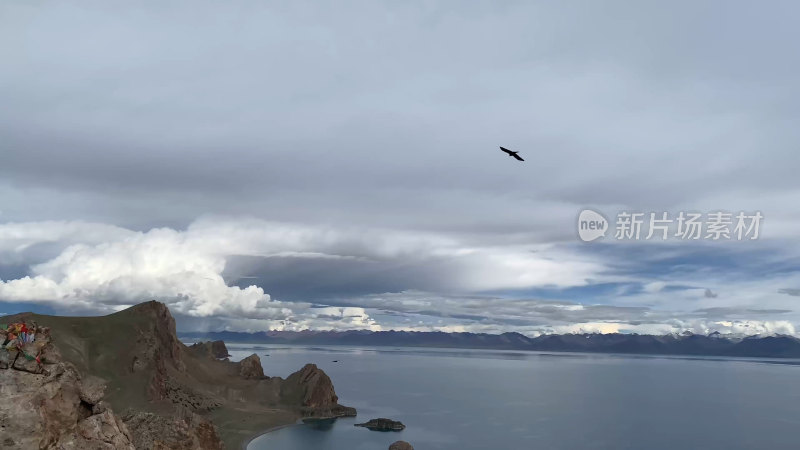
211 349
168 395
46 404
311 388
251 367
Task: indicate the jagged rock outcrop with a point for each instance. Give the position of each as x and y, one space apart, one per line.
211 349
313 390
169 392
251 368
401 445
44 403
162 329
315 386
158 347
100 431
92 390
184 431
383 424
55 411
61 409
32 356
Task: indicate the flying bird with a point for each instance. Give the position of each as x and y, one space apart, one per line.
514 155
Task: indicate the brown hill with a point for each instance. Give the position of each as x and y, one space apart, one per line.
173 397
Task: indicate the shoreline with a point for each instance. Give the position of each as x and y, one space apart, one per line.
247 442
299 422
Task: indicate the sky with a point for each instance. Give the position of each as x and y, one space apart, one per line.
335 165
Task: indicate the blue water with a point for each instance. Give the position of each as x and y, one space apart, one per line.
465 399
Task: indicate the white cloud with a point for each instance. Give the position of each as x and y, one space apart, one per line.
654 286
103 268
115 267
736 327
749 327
162 263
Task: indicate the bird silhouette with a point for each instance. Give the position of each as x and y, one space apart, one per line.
512 154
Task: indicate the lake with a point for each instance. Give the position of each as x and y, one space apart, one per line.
476 399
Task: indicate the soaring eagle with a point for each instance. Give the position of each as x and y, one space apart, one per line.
512 154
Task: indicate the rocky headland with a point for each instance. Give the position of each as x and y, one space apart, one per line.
125 381
214 349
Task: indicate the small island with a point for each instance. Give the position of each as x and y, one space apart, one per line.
382 424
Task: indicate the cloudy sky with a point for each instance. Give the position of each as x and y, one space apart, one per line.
335 165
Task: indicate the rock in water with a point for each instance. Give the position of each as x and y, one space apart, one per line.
382 424
401 445
251 368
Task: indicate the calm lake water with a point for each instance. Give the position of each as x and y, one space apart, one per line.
473 399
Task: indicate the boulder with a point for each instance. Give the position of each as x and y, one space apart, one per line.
401 445
92 390
27 365
26 360
6 358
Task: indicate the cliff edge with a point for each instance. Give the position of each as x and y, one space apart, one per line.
167 395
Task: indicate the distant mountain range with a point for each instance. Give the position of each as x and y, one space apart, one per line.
714 344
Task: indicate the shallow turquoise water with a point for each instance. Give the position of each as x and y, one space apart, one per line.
464 399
